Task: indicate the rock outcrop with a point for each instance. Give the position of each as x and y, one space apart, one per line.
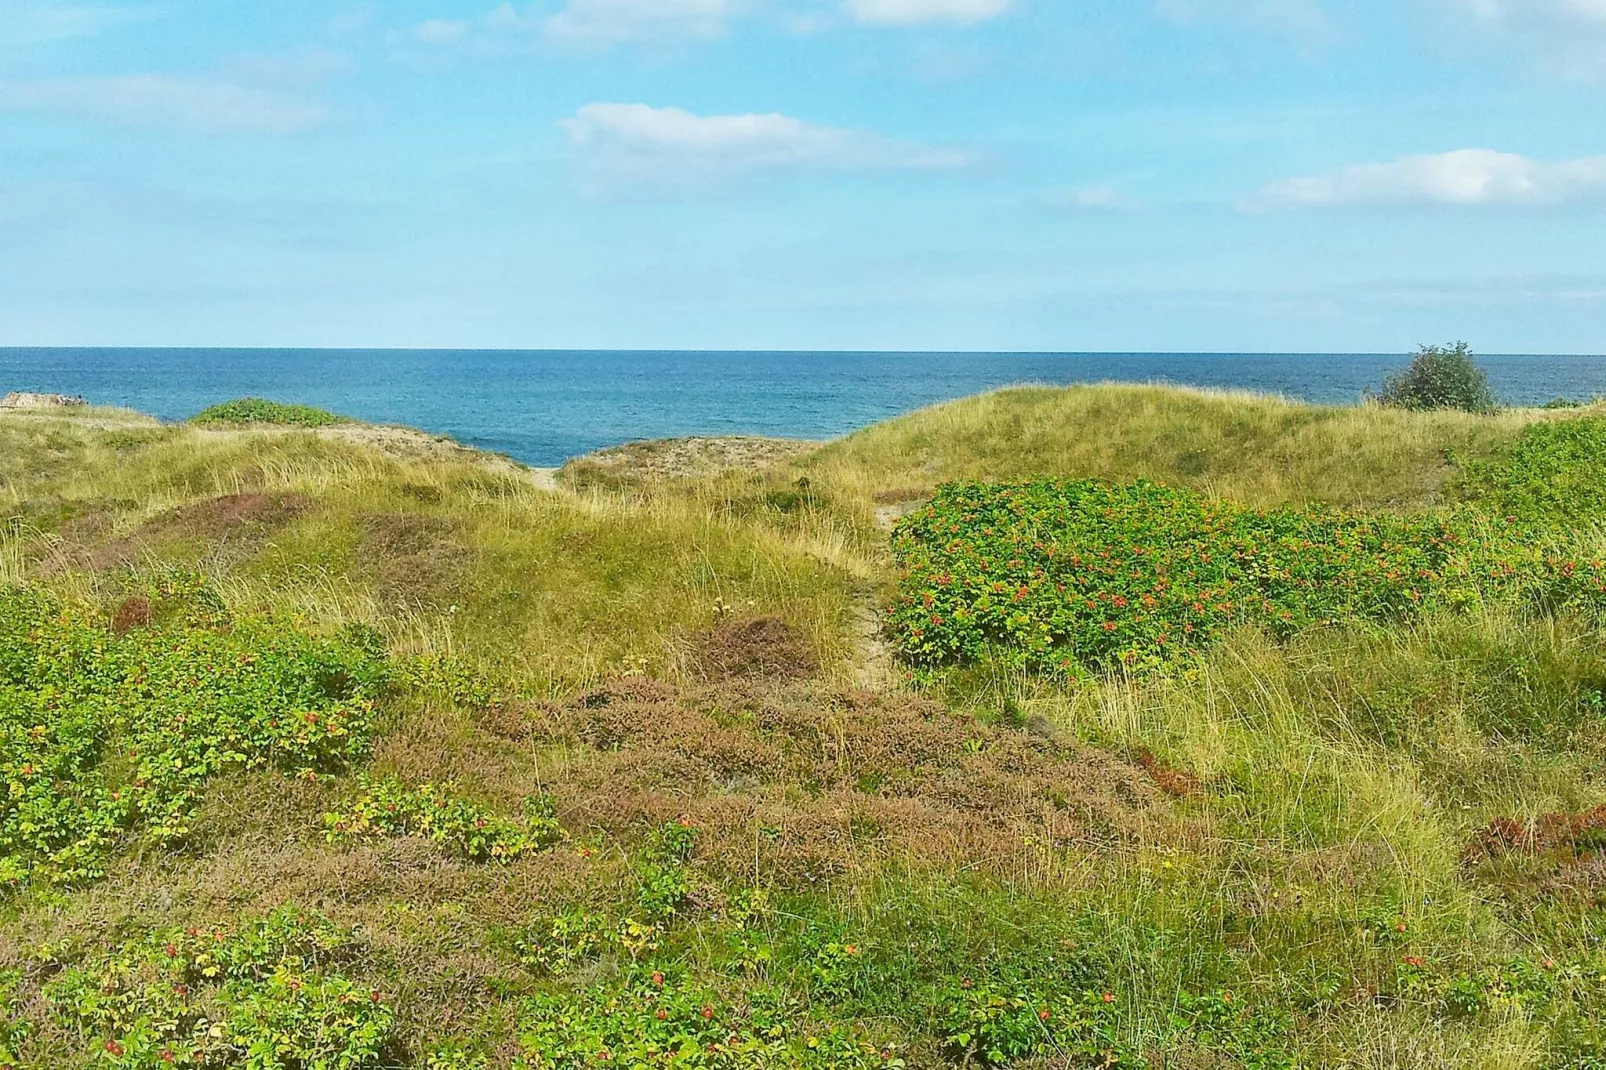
21 399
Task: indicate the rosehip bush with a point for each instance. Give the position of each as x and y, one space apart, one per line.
104 738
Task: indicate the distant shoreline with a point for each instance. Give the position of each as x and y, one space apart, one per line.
545 408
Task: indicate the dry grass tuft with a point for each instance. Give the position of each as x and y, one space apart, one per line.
641 463
230 526
756 647
1572 834
799 783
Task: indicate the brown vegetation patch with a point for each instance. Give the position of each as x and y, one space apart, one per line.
85 522
756 647
680 458
422 918
901 495
217 518
802 783
413 558
234 524
1177 783
1570 836
133 612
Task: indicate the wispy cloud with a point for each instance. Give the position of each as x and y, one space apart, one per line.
1092 199
1306 22
916 12
1565 37
603 22
37 22
1463 177
635 144
624 20
203 104
581 21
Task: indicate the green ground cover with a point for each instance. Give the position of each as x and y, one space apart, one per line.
248 411
1094 575
106 739
1552 475
319 752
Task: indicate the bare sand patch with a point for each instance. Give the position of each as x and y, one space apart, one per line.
662 460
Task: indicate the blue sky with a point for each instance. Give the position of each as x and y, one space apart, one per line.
1296 175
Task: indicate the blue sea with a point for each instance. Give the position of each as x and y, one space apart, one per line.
543 407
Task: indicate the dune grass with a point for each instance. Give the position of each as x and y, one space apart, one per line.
1315 848
1255 448
444 554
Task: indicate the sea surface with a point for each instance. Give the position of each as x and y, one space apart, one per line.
543 407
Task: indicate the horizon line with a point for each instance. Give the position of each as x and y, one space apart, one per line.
777 352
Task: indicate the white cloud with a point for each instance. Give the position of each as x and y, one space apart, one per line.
635 144
1566 37
623 20
207 105
36 22
1092 199
1586 11
581 21
1464 177
440 31
1304 21
915 12
667 21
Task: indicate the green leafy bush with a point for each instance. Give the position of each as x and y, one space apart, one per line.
14 1030
1069 576
261 411
1440 377
996 1023
272 995
654 1020
1553 475
390 808
1061 574
105 736
555 945
1001 1020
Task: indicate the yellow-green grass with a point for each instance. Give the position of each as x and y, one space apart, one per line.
445 551
1257 448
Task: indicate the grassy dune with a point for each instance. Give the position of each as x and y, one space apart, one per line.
617 774
1255 448
444 550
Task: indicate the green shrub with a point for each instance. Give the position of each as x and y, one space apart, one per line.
391 808
1070 576
555 945
14 1030
261 411
655 1020
1093 574
1553 475
104 736
1440 377
273 994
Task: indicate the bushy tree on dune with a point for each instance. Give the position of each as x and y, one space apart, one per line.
1440 377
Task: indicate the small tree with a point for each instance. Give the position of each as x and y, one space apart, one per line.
1440 377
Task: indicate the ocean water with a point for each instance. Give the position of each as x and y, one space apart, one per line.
544 407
